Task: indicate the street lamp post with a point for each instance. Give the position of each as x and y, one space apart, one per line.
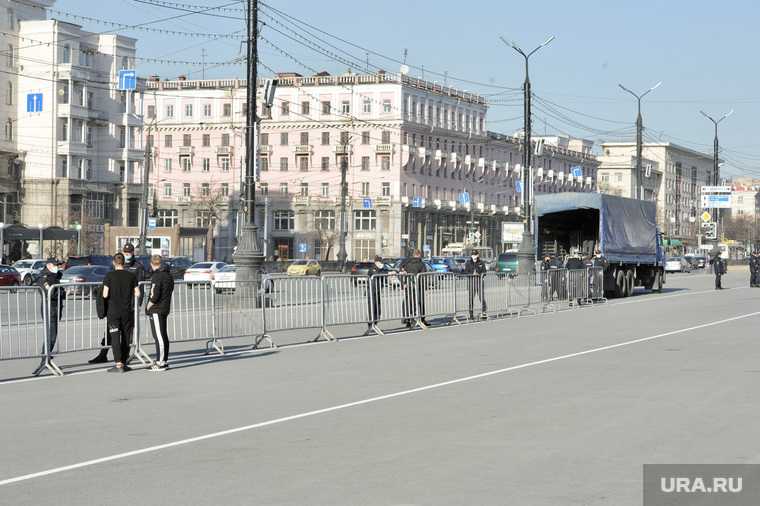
716 174
2 239
639 131
39 247
79 238
526 254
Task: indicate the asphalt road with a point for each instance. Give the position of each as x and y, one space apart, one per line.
560 408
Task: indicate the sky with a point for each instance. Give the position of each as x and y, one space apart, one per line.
704 54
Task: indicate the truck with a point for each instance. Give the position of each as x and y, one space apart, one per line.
624 229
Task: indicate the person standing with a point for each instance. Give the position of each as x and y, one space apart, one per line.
475 269
47 279
753 266
598 279
718 269
159 305
373 290
574 263
119 289
545 266
138 270
414 293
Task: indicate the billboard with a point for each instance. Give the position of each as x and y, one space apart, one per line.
512 232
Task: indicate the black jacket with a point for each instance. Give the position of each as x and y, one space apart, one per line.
47 277
718 267
476 267
602 262
161 289
574 264
414 266
137 269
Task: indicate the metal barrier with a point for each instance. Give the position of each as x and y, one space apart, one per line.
434 294
296 304
596 285
237 312
577 287
385 300
344 299
23 328
470 297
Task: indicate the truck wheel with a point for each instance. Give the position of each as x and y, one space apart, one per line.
657 283
620 288
630 282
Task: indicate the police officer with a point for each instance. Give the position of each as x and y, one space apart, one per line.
475 269
47 279
574 263
598 280
545 267
556 279
414 292
373 291
718 269
753 270
137 269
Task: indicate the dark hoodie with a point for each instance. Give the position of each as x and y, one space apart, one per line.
414 266
161 289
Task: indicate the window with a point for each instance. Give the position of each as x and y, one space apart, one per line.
344 137
264 164
264 139
9 56
84 59
365 220
167 189
386 137
326 107
284 220
386 189
365 137
65 130
188 110
227 110
66 54
605 178
324 220
88 136
225 139
283 164
206 140
207 110
122 137
385 162
167 217
122 102
304 163
151 111
365 163
168 165
225 163
186 165
169 111
366 107
283 139
124 63
304 138
9 18
185 189
187 140
345 107
151 190
325 163
304 189
285 108
325 138
387 106
205 190
264 189
64 168
167 141
618 177
224 189
206 165
305 108
283 188
365 189
325 190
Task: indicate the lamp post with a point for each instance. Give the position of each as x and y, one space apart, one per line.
2 239
639 130
716 175
39 247
342 254
526 254
79 238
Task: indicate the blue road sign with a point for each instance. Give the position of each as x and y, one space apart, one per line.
34 102
367 203
464 198
518 186
417 202
576 171
151 224
127 79
302 247
425 247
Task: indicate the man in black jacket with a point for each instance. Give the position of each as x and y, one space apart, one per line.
717 263
120 289
753 266
137 269
159 305
474 269
414 292
47 279
373 290
574 263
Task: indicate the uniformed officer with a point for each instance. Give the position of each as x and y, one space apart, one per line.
753 265
474 268
375 283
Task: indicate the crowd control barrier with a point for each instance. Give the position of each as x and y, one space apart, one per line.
577 287
295 303
22 322
433 295
345 301
596 285
237 312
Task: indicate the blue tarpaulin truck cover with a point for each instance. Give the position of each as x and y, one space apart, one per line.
627 226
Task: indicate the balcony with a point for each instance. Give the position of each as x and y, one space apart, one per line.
383 148
223 150
265 149
482 163
72 148
408 149
185 151
303 149
183 199
441 154
455 157
384 200
98 117
301 200
342 149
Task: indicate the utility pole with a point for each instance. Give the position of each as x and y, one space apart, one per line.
716 175
639 182
142 250
248 255
343 227
526 254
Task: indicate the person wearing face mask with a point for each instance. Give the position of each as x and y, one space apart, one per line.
474 269
137 269
47 278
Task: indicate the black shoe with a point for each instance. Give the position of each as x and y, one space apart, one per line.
101 358
425 323
408 324
117 368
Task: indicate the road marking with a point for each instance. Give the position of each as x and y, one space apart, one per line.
357 403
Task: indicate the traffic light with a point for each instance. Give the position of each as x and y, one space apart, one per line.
711 232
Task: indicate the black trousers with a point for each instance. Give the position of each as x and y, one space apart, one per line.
373 301
53 329
160 336
414 301
475 288
120 333
717 280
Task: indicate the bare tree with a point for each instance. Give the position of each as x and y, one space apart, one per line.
67 217
209 203
608 189
323 224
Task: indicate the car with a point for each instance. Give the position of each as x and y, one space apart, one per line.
9 276
446 264
225 278
83 274
178 266
304 268
29 269
701 262
359 270
506 264
75 260
202 272
677 264
395 282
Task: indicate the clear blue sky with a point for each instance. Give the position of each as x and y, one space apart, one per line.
704 53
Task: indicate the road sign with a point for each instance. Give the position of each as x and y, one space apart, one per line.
716 201
367 203
417 202
518 186
151 224
34 102
705 216
708 224
302 247
712 232
576 171
127 79
425 247
716 189
477 235
464 198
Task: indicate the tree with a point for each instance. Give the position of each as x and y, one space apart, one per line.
210 204
323 224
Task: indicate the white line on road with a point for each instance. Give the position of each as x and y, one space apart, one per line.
357 403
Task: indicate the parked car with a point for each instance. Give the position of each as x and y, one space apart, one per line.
75 260
225 278
178 266
28 269
506 264
359 270
9 276
395 282
677 264
202 272
446 264
304 268
83 274
701 262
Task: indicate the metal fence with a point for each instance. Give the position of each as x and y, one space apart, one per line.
22 322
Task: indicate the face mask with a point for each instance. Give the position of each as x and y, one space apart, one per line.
474 258
54 270
127 256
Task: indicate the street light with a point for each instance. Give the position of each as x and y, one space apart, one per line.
79 238
639 131
39 248
716 168
2 239
526 254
